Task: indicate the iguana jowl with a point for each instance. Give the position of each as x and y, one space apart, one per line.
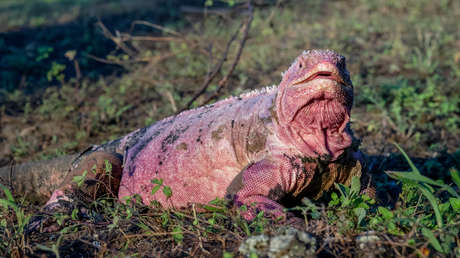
265 147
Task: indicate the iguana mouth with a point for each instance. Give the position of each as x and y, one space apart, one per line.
322 70
321 75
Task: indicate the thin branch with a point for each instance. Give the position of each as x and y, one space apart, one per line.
127 37
222 83
115 39
156 26
103 60
209 78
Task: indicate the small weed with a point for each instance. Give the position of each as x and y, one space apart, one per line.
158 184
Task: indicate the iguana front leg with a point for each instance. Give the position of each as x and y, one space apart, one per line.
265 183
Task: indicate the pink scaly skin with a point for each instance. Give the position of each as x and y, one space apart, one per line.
265 148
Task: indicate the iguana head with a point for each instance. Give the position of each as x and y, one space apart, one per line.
313 103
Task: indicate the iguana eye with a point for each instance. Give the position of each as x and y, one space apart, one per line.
300 65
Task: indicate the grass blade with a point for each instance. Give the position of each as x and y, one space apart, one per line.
7 192
455 176
433 203
432 239
411 164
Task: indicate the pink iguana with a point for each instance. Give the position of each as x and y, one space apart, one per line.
267 147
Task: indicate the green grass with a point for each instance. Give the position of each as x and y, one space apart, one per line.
405 65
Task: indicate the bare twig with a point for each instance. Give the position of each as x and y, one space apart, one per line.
156 26
116 39
171 100
223 82
209 78
103 60
126 37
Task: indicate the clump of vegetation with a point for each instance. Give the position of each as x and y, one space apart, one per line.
105 77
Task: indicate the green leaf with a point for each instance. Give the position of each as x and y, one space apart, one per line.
164 219
360 213
455 176
414 178
214 209
6 203
167 191
227 255
7 192
80 179
386 213
334 199
74 215
157 181
344 190
432 239
143 226
355 185
108 167
455 203
433 203
155 189
178 237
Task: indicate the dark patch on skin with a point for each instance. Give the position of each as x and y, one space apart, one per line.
131 171
163 123
323 176
182 146
137 138
276 193
217 134
293 161
272 110
200 115
233 123
137 149
172 137
160 163
321 161
256 142
235 185
239 98
199 139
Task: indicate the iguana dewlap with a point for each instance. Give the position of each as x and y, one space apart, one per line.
263 148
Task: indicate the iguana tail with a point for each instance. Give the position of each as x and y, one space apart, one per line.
36 180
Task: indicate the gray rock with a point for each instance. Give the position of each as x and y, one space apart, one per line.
369 244
287 242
